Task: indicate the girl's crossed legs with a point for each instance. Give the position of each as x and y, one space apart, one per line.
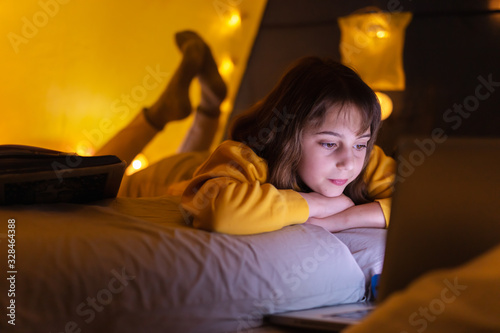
174 104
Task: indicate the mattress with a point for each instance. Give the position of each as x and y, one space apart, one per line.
137 265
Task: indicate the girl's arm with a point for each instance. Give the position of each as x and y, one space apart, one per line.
229 193
321 206
369 215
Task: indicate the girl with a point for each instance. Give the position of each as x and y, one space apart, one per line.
304 154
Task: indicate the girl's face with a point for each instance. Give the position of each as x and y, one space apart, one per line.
333 153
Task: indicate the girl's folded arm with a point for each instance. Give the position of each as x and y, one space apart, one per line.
367 215
229 193
228 206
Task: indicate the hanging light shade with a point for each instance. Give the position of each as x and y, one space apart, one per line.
372 43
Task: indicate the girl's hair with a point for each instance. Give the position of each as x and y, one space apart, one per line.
274 126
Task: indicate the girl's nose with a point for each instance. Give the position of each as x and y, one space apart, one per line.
345 159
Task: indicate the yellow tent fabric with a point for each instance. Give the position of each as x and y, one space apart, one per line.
75 72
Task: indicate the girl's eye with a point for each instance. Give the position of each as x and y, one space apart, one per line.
329 145
360 147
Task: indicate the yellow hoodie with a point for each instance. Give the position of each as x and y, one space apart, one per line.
229 192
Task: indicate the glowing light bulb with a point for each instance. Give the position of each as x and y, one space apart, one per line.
377 30
234 20
136 164
84 148
382 34
494 5
140 162
226 67
385 104
226 106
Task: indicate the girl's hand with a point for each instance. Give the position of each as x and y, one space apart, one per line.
333 223
369 215
321 206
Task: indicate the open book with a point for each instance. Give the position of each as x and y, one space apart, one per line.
31 175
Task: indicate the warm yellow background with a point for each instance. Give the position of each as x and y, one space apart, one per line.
73 71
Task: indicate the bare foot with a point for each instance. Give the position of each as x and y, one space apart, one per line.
174 103
213 88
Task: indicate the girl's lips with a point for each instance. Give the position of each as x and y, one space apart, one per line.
338 182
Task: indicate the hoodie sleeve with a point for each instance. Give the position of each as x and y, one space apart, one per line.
379 177
229 193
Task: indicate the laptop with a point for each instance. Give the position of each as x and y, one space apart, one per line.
445 211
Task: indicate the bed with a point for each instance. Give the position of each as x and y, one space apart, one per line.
136 265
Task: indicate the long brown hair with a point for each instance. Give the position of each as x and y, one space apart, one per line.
273 127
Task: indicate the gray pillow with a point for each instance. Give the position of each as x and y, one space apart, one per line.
367 246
